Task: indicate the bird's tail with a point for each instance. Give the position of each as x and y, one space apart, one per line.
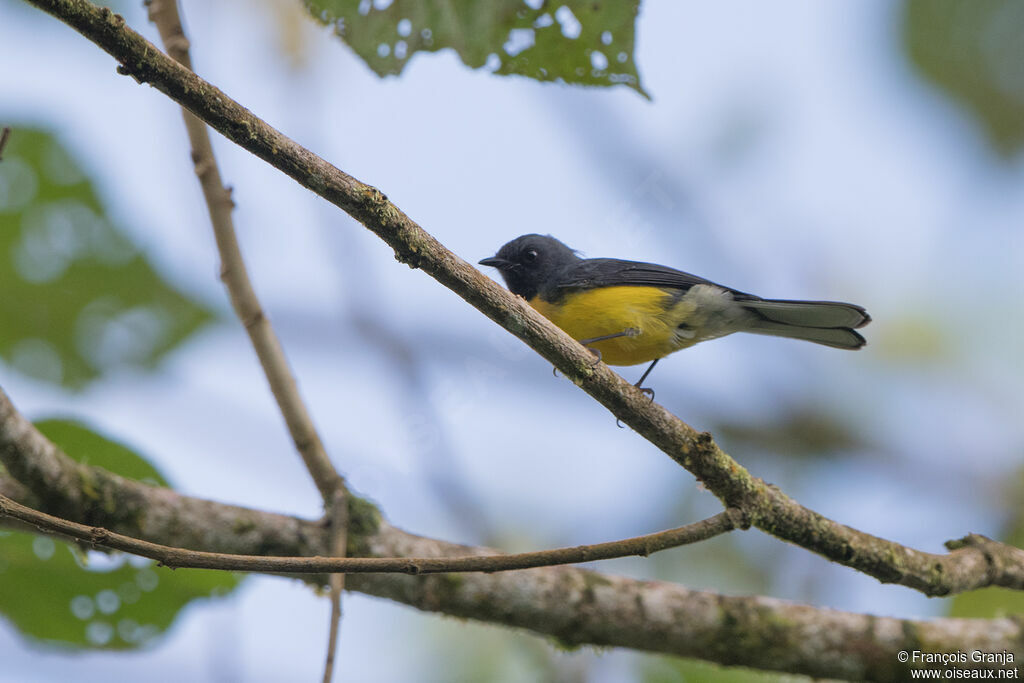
823 322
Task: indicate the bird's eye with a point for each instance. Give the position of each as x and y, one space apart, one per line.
530 256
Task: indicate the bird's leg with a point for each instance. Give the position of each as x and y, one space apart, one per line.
628 332
639 384
646 390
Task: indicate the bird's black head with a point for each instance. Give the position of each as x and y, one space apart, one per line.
528 262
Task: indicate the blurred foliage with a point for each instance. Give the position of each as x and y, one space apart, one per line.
806 432
974 51
463 651
914 337
51 595
582 42
671 670
79 299
721 562
998 602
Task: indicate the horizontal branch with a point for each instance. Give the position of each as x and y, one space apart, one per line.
179 558
579 607
764 506
582 607
576 606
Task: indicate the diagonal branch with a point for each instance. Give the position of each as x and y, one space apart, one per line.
765 506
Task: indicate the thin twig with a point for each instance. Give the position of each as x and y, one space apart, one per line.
5 135
166 16
339 539
179 558
765 506
164 13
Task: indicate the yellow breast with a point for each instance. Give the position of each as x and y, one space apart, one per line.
610 310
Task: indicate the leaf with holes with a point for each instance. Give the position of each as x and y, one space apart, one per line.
574 41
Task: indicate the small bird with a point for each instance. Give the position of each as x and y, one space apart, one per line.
629 312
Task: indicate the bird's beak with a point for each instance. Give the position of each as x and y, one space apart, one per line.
496 262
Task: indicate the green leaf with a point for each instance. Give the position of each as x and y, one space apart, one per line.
973 50
78 298
87 447
673 670
574 41
51 595
987 603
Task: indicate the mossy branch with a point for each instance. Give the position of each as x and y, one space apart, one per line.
572 605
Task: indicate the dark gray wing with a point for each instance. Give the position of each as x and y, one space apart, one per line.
609 272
